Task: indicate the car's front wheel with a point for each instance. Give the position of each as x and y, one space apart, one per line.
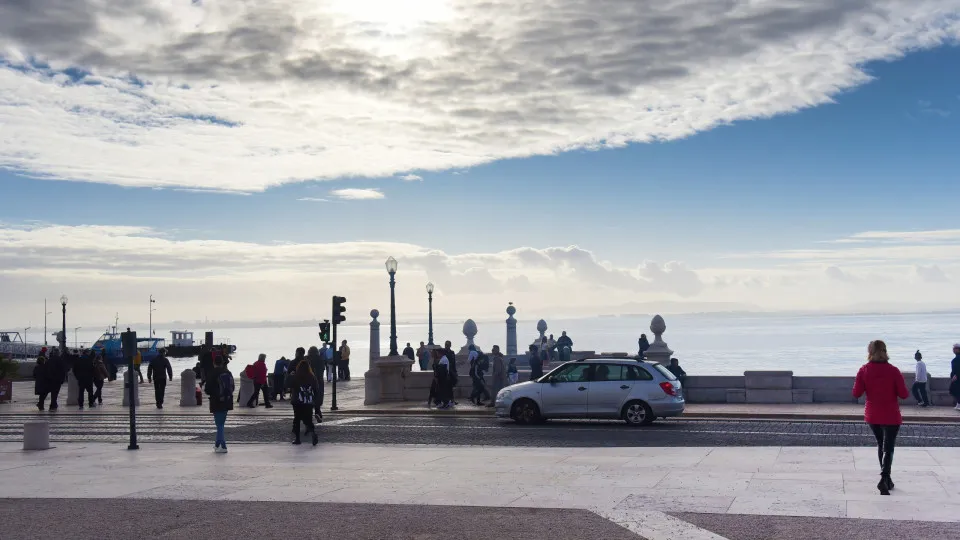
638 413
525 411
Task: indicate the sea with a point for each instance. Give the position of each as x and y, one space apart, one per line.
705 344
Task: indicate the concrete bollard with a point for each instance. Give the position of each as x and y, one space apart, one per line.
36 435
136 388
246 391
188 388
73 389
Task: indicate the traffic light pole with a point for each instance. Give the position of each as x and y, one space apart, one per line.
129 347
336 360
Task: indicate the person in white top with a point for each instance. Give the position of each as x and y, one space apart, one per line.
920 382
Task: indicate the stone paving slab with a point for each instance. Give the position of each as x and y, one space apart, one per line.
753 527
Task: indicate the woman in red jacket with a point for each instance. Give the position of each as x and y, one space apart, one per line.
883 384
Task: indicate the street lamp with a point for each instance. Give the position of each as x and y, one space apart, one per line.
430 315
63 343
392 270
152 302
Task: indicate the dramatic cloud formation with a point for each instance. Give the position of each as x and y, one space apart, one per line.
246 94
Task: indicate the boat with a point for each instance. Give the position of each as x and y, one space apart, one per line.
109 346
182 344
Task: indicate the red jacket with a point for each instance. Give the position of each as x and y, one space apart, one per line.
259 372
883 384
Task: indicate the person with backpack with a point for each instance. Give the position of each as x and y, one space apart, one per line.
318 364
478 367
219 388
100 374
157 373
304 393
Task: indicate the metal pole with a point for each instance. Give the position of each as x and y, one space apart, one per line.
393 317
45 313
64 350
430 320
336 358
129 343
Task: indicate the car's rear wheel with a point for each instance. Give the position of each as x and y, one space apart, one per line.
525 411
638 413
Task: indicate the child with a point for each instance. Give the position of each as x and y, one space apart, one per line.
512 375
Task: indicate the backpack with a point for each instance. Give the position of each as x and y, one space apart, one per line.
225 387
305 395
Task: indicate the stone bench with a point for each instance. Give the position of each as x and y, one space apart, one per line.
36 435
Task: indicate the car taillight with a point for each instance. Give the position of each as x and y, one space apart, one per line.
668 388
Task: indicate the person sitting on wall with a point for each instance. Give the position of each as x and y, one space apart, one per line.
678 371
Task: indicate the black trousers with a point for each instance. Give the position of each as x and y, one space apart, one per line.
344 370
304 414
257 388
98 394
479 389
53 397
159 388
84 386
43 397
920 393
886 442
278 392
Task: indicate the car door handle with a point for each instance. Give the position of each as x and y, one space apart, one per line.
582 388
624 387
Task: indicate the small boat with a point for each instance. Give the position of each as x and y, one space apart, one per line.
109 346
182 344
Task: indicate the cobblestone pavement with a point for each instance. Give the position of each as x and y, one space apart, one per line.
85 518
482 431
754 527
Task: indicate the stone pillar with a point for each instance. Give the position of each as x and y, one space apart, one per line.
73 389
371 379
188 388
511 331
658 351
127 377
246 390
393 372
374 338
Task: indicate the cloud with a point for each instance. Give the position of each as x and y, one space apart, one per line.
412 178
673 276
246 95
352 194
931 274
312 199
837 274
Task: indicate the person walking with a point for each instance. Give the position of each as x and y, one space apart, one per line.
499 373
260 382
83 372
298 358
883 384
920 382
441 373
318 363
344 361
478 364
219 388
408 352
40 379
303 395
55 373
100 374
279 377
955 375
137 360
158 372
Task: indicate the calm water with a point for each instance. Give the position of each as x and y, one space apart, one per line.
705 344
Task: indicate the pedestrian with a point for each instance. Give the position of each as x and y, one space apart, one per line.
565 346
678 371
55 374
137 360
408 352
298 358
157 372
499 372
317 364
330 358
513 375
453 377
279 376
344 361
303 395
423 356
642 345
955 375
479 393
441 374
536 363
83 372
219 390
260 383
552 349
883 384
920 382
100 374
40 387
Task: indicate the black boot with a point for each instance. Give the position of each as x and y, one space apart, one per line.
883 486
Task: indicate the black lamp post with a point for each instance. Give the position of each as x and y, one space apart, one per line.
430 315
392 270
63 342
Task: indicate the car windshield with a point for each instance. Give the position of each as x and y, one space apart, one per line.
665 372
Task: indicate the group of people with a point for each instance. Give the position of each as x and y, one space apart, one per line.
443 362
50 372
335 363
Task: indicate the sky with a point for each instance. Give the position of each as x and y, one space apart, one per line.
246 160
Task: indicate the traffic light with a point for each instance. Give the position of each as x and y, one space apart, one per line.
325 331
339 309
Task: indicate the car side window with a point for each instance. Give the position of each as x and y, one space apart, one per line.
607 372
572 373
636 373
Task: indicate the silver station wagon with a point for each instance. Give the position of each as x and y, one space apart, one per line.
636 391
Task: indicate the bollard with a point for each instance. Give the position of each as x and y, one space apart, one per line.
36 435
246 390
188 388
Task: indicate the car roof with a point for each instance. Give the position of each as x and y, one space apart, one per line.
612 359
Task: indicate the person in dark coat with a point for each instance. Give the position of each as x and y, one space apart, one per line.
441 374
318 364
83 371
452 376
55 373
678 371
298 357
40 380
219 389
157 372
642 345
304 390
564 346
100 374
955 375
279 377
536 363
408 352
